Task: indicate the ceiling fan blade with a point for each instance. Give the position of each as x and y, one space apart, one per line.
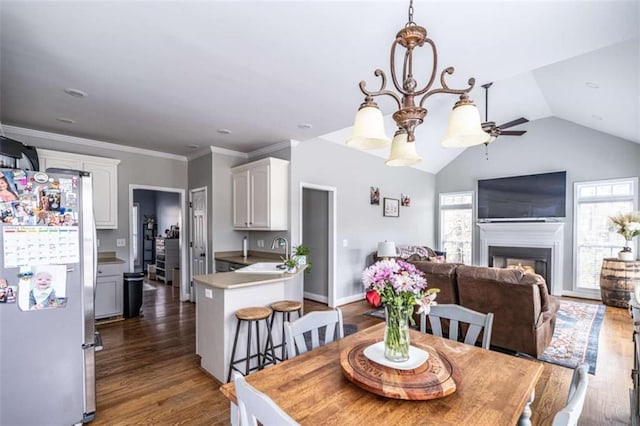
512 123
513 132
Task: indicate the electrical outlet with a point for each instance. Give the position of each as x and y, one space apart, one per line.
121 242
260 243
208 293
97 243
345 243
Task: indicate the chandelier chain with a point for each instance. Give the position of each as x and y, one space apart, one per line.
410 22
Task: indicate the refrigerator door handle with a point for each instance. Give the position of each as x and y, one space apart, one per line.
70 270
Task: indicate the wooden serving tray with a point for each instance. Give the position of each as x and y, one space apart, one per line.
435 378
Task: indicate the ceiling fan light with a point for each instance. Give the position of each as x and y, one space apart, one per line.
464 127
403 153
368 129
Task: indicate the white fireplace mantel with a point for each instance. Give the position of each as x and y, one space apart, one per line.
526 234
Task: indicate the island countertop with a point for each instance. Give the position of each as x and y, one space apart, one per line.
231 280
252 257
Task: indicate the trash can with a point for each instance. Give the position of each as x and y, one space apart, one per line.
133 282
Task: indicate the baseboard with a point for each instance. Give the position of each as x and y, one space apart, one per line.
316 297
350 299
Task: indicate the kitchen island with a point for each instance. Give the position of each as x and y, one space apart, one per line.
219 296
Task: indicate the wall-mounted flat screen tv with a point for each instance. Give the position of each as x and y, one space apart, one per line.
537 196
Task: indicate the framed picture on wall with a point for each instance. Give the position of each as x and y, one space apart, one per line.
405 200
374 195
391 207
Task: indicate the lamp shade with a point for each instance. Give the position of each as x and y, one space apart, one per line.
387 249
368 129
403 153
465 128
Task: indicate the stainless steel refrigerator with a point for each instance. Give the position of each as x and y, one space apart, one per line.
47 275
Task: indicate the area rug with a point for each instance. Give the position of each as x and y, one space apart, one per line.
575 338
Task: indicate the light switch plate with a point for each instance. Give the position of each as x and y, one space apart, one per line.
97 243
121 242
208 293
345 243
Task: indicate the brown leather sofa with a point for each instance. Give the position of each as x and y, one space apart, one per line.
524 312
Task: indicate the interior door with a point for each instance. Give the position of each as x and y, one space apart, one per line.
198 243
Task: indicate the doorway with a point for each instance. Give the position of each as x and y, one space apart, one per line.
165 209
318 233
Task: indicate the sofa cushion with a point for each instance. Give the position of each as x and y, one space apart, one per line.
441 276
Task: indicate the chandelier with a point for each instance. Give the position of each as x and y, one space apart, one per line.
368 129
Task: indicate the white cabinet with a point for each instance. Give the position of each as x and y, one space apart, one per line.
109 297
105 181
167 258
260 195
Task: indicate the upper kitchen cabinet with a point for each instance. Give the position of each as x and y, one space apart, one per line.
260 195
105 181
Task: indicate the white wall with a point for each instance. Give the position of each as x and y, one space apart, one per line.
359 223
550 144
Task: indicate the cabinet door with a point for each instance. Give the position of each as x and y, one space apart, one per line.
105 198
260 196
108 297
59 162
241 200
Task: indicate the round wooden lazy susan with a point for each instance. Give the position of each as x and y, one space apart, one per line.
433 379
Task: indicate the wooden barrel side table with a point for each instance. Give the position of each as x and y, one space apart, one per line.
618 279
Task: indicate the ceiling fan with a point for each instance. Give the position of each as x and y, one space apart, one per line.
490 126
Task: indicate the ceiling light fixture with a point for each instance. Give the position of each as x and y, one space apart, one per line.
304 126
591 85
224 131
368 128
65 120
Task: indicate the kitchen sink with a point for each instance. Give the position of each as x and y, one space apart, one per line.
263 268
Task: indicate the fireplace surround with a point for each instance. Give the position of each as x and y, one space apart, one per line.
513 240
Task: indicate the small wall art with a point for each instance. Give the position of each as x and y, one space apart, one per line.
374 195
405 200
391 207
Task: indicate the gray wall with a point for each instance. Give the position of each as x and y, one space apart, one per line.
550 144
362 225
134 168
167 210
315 205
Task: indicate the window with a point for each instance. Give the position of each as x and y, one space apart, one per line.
594 240
456 226
135 232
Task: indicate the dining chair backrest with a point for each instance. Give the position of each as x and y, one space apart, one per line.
305 333
570 414
476 322
254 406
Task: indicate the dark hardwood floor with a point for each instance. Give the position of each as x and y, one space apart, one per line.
148 372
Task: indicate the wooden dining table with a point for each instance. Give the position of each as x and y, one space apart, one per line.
492 388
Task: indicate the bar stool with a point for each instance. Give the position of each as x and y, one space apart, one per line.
251 316
285 307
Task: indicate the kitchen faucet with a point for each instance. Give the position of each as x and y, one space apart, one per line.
277 242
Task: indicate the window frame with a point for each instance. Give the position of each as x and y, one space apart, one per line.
470 206
577 200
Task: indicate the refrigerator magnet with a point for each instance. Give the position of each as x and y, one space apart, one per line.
46 289
41 177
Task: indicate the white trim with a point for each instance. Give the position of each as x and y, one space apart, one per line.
229 152
350 299
533 234
90 142
184 259
316 297
332 235
271 148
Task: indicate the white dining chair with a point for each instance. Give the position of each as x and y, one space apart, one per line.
570 414
303 334
254 406
456 314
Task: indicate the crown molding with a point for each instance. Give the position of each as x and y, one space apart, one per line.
229 152
73 140
272 148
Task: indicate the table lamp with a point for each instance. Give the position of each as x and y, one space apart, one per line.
386 249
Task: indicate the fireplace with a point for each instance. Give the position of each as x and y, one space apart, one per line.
537 245
536 260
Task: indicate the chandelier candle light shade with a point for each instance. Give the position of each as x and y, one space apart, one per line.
465 128
399 286
627 225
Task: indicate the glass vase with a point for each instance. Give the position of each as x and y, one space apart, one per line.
396 333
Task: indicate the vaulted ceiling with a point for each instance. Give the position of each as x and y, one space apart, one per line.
167 75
